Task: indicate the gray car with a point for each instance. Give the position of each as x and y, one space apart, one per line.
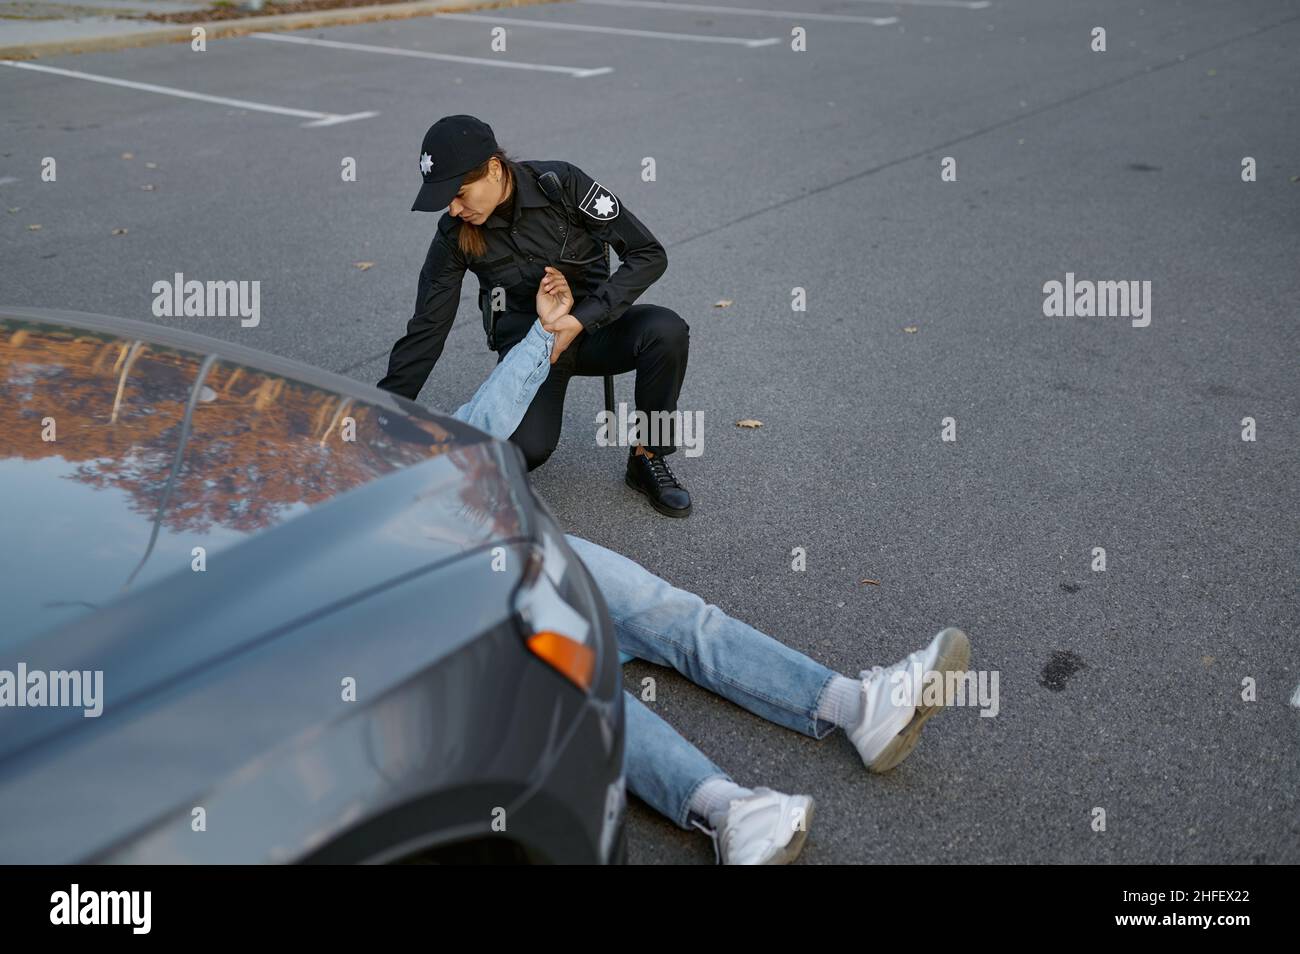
319 623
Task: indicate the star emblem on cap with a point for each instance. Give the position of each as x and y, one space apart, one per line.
426 163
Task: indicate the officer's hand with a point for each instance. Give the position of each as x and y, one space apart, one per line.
554 299
565 329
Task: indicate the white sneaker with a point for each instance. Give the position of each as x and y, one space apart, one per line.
766 828
889 730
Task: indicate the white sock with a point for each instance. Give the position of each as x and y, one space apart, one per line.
841 703
715 795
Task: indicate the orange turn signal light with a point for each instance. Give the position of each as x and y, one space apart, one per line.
572 660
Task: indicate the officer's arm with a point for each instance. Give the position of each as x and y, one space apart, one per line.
436 300
642 259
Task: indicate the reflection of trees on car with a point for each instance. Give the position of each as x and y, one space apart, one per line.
120 414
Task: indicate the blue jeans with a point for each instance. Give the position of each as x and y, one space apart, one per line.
501 401
659 623
662 624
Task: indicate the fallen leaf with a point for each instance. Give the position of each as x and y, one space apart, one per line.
1208 660
33 228
119 231
19 208
364 265
722 303
910 329
148 187
151 165
872 582
749 422
128 155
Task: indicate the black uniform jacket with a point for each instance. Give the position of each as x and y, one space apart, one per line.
540 233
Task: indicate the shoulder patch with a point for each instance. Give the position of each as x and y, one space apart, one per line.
599 203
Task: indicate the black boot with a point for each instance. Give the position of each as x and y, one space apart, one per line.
651 476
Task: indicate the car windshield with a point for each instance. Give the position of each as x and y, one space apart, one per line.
119 457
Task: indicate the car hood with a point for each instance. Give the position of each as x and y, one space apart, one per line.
167 496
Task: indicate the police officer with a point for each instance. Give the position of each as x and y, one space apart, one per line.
506 220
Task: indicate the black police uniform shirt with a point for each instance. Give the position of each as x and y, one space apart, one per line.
522 238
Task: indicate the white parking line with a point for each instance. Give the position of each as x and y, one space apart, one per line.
398 51
1295 697
746 12
621 31
320 119
963 4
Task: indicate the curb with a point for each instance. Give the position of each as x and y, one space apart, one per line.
218 29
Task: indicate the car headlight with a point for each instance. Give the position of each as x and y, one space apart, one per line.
554 613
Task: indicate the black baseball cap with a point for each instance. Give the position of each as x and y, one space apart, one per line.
453 146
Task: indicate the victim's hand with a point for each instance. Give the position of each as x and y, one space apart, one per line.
554 299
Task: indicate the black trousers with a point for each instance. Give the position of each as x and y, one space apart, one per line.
652 340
